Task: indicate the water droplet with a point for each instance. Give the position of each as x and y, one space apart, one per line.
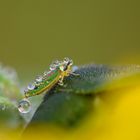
46 74
31 86
39 79
67 60
24 106
56 63
74 68
52 67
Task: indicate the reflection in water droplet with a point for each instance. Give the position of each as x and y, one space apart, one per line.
24 106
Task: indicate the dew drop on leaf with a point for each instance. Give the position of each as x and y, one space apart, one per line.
24 106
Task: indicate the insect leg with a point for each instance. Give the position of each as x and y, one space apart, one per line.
60 82
75 74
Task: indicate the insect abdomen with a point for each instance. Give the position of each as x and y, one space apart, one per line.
46 84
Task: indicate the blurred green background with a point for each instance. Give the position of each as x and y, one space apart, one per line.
33 33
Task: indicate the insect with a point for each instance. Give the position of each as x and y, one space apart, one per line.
58 70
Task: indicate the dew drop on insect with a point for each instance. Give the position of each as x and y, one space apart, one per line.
46 73
56 63
74 68
31 86
24 106
66 60
39 78
52 67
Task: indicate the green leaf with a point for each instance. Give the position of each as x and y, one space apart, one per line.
9 94
63 109
69 104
